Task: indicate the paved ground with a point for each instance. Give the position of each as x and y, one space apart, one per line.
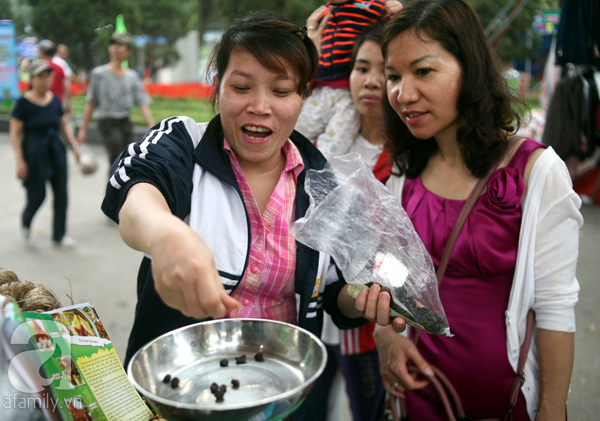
102 270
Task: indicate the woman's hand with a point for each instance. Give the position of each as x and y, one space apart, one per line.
65 128
315 25
185 276
76 151
16 132
183 267
393 6
395 351
373 305
22 169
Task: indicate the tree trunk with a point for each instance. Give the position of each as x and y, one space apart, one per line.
204 12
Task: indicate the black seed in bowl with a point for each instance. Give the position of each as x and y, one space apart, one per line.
214 387
167 378
175 382
219 396
223 388
235 383
241 359
259 357
224 362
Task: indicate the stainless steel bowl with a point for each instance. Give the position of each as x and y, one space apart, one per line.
293 359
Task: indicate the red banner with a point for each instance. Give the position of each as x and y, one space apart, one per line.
159 90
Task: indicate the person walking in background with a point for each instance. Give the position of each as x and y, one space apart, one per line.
451 120
35 121
46 50
329 118
60 58
112 92
353 351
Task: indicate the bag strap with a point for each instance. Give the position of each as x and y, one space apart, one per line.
460 222
523 352
466 210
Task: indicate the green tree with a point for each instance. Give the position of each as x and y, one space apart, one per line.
78 24
86 25
167 18
296 10
513 45
19 12
6 10
204 9
162 18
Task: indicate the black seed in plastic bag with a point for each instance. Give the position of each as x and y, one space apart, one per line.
420 314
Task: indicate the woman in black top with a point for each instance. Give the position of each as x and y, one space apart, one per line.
35 123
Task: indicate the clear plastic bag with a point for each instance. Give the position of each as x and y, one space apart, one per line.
355 219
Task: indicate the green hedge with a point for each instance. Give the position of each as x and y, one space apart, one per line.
161 108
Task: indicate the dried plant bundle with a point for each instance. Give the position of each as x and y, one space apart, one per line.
28 295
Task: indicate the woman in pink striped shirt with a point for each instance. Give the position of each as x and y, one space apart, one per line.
211 204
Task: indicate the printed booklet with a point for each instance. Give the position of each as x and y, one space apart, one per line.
81 367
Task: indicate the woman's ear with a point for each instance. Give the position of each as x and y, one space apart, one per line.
307 90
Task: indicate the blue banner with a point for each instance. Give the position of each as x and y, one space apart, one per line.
8 61
27 48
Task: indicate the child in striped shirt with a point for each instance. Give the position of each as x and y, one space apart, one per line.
329 117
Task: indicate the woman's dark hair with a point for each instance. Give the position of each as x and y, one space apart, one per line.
269 37
484 101
374 33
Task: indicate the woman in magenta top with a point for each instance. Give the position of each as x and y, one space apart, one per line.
449 119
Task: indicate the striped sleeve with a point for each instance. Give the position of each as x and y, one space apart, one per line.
164 159
346 23
335 283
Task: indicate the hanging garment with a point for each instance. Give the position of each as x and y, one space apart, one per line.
579 33
564 123
571 125
591 131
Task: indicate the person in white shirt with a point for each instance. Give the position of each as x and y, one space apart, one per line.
60 59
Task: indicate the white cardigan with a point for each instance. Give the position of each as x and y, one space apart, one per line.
546 262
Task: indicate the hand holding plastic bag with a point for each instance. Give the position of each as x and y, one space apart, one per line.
354 218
